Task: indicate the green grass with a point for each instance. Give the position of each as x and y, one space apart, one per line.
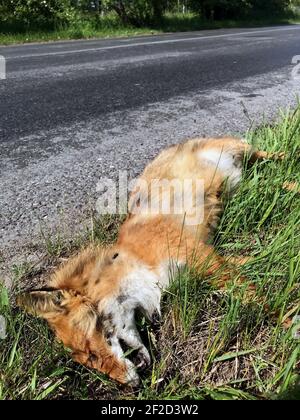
83 27
190 22
109 26
211 344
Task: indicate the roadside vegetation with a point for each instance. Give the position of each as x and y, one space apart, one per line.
32 20
209 345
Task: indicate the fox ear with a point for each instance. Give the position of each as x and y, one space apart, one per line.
43 303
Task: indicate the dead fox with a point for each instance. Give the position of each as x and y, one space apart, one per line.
92 300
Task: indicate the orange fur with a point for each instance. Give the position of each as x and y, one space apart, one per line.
103 283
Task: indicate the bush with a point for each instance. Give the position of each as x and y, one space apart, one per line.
24 15
36 12
271 7
137 12
237 9
216 9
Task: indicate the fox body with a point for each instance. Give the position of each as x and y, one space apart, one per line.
91 301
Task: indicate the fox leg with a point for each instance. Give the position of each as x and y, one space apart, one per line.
131 337
227 271
292 186
223 270
261 156
121 326
239 261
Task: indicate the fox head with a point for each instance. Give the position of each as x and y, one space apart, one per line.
77 324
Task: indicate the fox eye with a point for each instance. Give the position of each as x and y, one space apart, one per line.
115 256
58 299
92 358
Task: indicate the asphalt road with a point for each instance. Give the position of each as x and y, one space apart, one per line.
73 112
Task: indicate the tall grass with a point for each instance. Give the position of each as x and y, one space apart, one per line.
87 26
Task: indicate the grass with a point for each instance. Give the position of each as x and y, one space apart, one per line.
109 26
210 344
83 27
190 22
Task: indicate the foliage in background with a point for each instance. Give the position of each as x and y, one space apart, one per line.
33 14
238 9
137 12
36 13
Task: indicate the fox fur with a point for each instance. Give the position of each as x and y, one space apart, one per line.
92 300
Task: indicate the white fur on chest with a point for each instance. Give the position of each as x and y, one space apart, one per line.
143 287
225 163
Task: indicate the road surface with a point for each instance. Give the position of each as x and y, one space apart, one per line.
74 112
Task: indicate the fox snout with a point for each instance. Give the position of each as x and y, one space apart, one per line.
122 371
78 325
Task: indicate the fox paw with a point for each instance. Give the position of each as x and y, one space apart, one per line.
143 359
